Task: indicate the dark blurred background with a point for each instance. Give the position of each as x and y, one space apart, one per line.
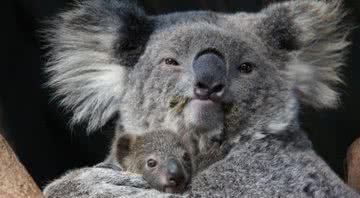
37 128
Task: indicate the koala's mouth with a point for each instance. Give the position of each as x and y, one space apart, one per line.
178 104
200 115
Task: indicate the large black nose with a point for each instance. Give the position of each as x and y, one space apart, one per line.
210 76
175 173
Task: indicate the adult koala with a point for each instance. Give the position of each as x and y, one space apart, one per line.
243 74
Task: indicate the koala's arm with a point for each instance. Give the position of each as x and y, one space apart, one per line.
270 168
261 168
252 169
100 182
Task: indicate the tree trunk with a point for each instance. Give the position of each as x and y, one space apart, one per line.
15 181
353 165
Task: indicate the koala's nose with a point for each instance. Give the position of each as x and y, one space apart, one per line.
210 76
175 173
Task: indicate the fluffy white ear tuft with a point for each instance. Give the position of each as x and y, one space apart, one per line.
314 35
91 50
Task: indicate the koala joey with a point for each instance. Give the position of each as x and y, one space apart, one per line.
160 156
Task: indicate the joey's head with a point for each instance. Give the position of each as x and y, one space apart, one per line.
160 157
196 70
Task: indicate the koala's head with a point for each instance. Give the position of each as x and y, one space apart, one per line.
197 70
160 157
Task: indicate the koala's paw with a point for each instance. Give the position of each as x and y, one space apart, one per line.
97 182
109 166
218 138
210 142
212 153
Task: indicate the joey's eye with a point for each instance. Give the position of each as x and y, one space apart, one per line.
151 163
246 68
170 61
186 157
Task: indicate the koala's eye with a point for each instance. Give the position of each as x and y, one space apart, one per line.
151 163
246 68
171 61
186 157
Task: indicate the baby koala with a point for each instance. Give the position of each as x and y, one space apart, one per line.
160 156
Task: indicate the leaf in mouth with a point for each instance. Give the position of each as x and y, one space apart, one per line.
227 108
178 103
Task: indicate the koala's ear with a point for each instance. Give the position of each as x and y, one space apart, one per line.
314 35
91 49
124 144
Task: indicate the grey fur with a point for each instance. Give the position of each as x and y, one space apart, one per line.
297 48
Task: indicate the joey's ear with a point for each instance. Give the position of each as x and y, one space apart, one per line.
124 144
91 48
314 35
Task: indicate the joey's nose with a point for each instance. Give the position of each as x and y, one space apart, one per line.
175 174
210 76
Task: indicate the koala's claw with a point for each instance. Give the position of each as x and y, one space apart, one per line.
109 166
217 139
